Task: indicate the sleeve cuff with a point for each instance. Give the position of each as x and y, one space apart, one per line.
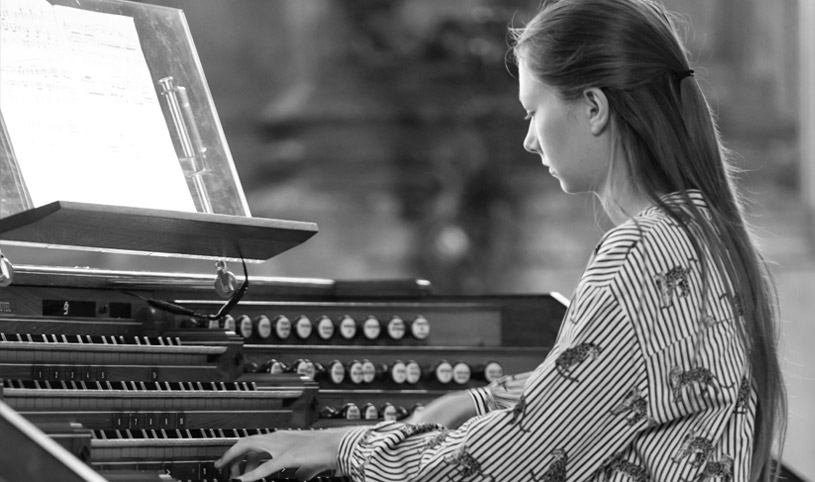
349 442
482 399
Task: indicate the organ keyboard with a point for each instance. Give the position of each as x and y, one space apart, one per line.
136 394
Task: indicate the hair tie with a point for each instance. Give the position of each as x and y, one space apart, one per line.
682 74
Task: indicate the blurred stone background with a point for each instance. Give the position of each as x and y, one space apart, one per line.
394 125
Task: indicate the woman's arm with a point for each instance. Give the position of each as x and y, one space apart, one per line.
315 451
450 410
455 408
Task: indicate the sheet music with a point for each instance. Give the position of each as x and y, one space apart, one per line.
81 109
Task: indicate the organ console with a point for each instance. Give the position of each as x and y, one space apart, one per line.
143 375
136 393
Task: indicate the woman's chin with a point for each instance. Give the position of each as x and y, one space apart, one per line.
566 187
571 188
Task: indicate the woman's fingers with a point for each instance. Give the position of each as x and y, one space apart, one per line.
235 452
245 455
253 448
264 469
310 451
235 469
252 460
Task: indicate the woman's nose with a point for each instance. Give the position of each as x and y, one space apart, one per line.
531 141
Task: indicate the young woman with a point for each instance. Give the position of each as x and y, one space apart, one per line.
665 368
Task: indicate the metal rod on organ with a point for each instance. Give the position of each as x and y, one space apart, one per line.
177 101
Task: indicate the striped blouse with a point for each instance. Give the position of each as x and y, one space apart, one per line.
647 381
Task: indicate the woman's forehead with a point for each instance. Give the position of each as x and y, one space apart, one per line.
530 88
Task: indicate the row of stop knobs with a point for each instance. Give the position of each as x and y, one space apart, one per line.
369 411
281 327
358 372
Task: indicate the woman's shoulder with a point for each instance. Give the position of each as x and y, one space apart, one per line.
651 223
656 238
652 233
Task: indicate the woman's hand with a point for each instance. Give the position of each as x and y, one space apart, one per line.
310 451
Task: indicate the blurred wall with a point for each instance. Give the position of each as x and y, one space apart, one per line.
395 127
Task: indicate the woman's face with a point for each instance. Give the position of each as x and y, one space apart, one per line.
560 133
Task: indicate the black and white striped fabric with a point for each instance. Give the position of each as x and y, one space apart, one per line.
647 382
